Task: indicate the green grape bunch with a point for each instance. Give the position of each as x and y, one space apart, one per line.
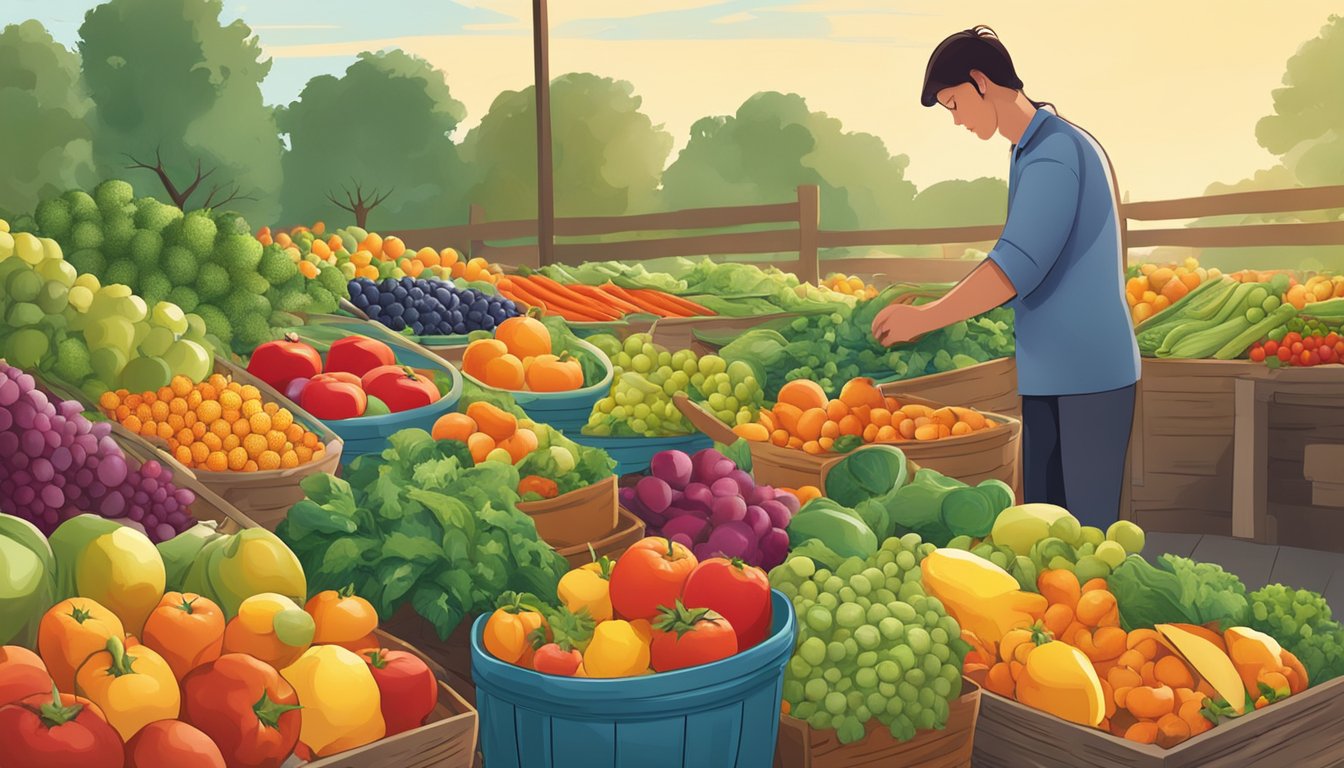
871 644
645 378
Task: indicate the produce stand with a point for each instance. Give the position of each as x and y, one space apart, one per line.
1301 731
1221 447
684 332
446 740
800 746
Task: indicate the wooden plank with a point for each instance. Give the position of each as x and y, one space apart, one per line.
511 255
1311 233
1251 454
541 63
1308 526
809 218
906 270
1162 542
1327 494
772 241
1305 568
1252 562
1189 455
685 219
1324 462
1182 521
1265 201
931 236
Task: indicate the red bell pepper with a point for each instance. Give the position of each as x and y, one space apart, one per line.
57 730
334 396
407 689
358 355
279 362
245 707
400 387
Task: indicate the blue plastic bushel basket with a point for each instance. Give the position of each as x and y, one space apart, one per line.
720 715
633 454
565 411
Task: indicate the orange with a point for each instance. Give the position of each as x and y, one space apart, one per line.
260 423
183 454
231 442
217 462
199 453
810 423
803 394
454 426
250 407
275 440
241 428
393 247
230 400
254 444
289 460
282 419
480 445
109 401
504 372
478 355
250 392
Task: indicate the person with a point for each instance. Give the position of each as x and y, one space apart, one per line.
1059 264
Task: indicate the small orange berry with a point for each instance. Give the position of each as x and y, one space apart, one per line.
217 461
237 459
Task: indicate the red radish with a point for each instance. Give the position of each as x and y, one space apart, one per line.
279 362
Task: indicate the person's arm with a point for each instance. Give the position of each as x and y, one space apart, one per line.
1044 208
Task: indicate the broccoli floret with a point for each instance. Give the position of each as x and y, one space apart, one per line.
113 196
276 266
118 232
332 279
239 254
240 304
296 284
89 261
216 322
252 330
180 265
122 271
154 286
185 297
145 248
232 223
212 282
72 361
198 233
82 205
155 216
53 216
86 234
253 283
322 300
284 320
294 301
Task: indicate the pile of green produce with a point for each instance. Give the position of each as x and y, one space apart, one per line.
832 348
646 376
1029 538
204 262
1300 620
27 582
420 523
73 330
1219 319
871 644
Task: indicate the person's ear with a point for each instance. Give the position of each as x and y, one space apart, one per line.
980 82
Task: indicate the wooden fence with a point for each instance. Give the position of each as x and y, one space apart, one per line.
798 232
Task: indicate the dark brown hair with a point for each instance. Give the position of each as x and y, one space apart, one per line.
953 60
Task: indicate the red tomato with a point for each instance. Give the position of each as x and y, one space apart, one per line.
22 674
334 396
57 731
245 707
406 687
737 591
1297 347
172 742
1271 347
279 362
1331 339
1292 338
1285 354
686 637
1327 354
400 387
551 659
648 576
358 355
1258 354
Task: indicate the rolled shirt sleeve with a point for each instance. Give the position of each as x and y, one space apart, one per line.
1040 219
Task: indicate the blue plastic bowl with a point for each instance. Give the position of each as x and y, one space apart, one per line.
720 715
565 411
633 454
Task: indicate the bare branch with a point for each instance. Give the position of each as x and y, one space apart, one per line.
339 204
378 200
225 201
178 198
189 191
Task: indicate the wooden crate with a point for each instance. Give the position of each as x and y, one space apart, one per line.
1305 731
448 737
799 746
989 386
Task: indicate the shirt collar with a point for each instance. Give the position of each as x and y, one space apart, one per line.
1042 114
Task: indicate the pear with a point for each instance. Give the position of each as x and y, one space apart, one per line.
123 571
181 551
68 543
253 562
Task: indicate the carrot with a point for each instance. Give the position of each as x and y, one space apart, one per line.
659 299
686 305
561 303
597 294
567 297
644 305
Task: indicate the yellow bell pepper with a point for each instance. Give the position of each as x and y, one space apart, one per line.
134 687
981 596
342 707
617 650
588 586
1057 678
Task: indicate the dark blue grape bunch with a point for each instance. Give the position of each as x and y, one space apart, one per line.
429 307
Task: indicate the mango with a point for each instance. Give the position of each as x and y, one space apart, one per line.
1023 525
252 562
112 564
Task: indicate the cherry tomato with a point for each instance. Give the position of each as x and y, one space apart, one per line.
1258 355
1285 354
1271 347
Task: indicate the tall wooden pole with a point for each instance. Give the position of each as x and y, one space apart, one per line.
545 169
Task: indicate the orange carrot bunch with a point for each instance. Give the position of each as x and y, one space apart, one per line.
587 303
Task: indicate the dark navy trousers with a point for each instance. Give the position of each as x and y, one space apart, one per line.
1073 452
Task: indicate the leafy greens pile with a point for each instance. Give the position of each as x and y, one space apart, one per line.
1177 590
420 524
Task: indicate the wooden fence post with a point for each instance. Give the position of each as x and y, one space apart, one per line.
809 221
475 215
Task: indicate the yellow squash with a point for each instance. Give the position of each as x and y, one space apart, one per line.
618 649
981 596
588 586
1057 678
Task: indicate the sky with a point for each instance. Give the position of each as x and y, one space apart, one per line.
1172 89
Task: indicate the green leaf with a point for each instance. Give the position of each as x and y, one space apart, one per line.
433 604
739 451
397 576
399 545
308 517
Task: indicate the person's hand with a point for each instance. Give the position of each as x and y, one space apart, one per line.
899 323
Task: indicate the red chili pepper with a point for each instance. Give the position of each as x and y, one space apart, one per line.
406 686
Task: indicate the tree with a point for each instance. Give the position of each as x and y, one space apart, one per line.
357 205
47 146
774 144
609 156
387 121
171 81
960 203
1307 127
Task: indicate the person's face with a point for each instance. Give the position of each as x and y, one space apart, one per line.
970 110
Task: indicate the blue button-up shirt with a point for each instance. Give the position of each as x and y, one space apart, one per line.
1061 249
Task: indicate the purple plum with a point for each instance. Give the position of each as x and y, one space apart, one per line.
778 513
758 520
744 482
732 539
294 389
673 467
728 509
694 528
698 495
654 493
725 486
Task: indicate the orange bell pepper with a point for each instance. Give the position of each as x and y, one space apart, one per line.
72 631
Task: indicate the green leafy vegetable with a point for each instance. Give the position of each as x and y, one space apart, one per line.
1148 595
1301 621
1209 593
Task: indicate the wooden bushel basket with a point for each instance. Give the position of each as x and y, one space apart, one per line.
575 518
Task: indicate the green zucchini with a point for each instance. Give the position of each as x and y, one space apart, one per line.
1238 344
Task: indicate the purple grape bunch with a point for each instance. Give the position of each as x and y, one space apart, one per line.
56 464
705 502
